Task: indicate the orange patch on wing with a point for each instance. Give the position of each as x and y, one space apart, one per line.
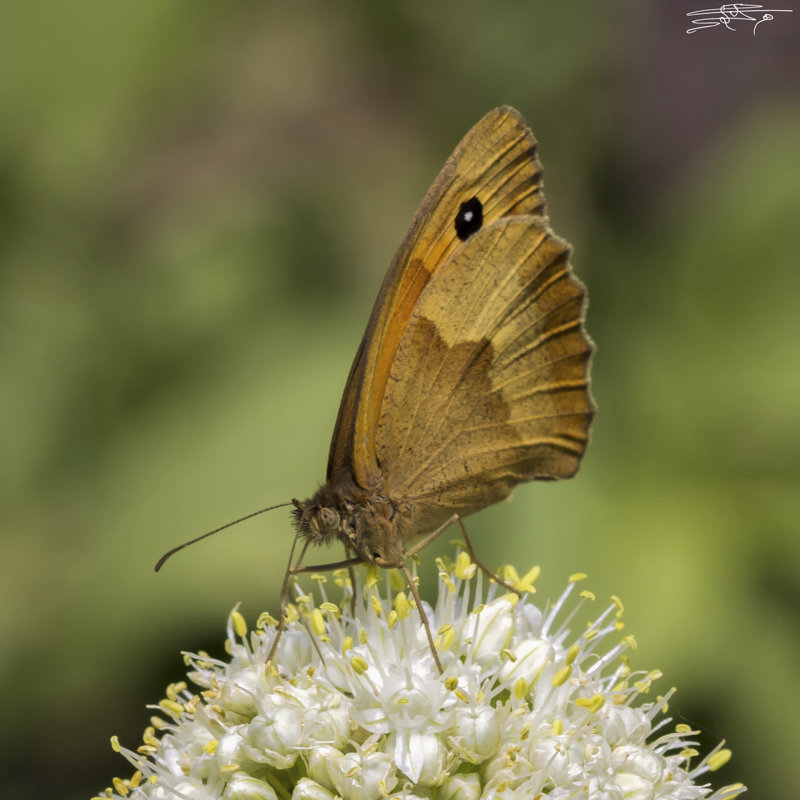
415 278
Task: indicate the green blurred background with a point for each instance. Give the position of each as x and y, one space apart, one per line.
197 206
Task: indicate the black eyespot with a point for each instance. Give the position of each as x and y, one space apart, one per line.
469 218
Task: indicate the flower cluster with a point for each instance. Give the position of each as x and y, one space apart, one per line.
353 705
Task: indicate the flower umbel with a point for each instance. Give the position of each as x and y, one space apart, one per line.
354 706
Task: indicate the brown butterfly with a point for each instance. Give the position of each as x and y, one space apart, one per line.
473 373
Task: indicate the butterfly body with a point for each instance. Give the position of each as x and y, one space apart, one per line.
473 373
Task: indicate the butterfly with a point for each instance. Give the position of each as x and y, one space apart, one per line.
473 373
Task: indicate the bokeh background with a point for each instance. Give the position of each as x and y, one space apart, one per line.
197 206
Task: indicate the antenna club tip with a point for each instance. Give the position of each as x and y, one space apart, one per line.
161 561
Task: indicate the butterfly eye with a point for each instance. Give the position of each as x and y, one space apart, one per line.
469 218
326 519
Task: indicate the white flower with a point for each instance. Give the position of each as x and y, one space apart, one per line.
354 706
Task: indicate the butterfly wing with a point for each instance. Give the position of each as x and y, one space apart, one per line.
495 161
489 383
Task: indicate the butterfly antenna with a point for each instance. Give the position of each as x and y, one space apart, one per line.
174 550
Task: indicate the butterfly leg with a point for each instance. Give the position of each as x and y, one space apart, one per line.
478 563
412 584
431 536
481 566
290 571
352 573
347 562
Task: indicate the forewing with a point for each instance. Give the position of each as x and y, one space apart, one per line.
495 162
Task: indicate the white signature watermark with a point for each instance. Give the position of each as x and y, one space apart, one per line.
730 13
